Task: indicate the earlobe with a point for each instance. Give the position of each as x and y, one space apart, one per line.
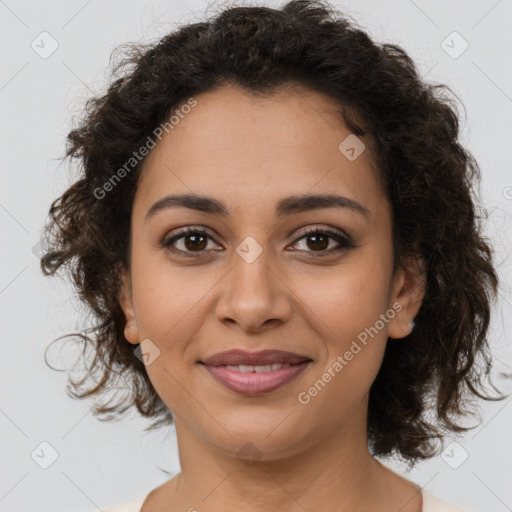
408 291
131 331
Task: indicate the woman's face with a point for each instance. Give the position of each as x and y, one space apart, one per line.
254 280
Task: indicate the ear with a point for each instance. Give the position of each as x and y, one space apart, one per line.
131 331
408 290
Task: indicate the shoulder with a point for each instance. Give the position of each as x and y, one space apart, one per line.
432 503
134 505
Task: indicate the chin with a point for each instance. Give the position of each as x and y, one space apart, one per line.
261 443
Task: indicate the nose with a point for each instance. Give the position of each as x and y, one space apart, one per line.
254 297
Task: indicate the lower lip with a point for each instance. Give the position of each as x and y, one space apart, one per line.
255 383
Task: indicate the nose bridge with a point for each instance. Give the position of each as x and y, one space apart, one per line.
253 292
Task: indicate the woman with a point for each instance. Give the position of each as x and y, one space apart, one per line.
275 228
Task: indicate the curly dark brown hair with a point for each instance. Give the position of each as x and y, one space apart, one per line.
429 380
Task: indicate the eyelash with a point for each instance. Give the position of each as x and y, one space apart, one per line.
344 241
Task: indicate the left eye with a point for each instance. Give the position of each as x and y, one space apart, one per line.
318 240
195 240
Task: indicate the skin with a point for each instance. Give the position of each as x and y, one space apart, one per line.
250 153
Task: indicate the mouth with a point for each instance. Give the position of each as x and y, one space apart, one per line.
255 373
262 358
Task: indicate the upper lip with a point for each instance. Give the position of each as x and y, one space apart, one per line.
264 357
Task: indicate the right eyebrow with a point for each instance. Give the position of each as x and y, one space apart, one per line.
194 202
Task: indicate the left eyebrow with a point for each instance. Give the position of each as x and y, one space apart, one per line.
308 202
286 206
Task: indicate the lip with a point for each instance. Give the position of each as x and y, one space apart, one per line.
263 357
255 383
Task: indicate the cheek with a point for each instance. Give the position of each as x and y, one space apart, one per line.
345 309
348 299
166 297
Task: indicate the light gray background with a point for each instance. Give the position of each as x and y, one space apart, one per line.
100 464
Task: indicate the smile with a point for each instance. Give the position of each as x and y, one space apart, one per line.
254 380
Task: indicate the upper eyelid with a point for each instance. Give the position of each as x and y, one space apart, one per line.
331 232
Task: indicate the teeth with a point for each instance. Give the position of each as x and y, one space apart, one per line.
258 369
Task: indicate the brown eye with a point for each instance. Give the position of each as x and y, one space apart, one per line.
318 240
193 240
198 242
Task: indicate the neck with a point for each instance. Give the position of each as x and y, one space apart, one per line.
336 469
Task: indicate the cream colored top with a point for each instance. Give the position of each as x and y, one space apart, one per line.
431 503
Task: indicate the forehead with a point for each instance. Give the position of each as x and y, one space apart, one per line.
249 150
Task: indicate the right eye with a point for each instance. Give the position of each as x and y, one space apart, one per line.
194 241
